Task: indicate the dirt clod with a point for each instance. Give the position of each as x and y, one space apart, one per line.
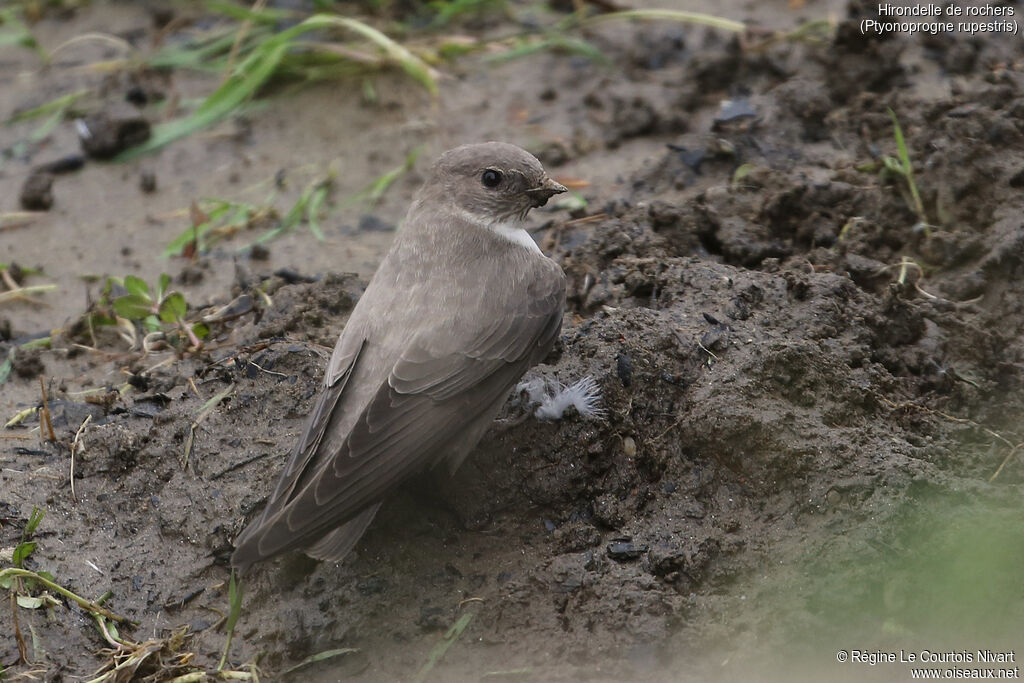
37 192
108 133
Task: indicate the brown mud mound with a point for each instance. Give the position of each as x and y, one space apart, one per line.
788 369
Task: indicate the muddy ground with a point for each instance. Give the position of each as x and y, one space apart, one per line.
806 445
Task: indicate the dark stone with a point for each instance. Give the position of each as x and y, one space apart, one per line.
433 619
371 223
37 192
66 164
624 368
625 550
147 182
107 134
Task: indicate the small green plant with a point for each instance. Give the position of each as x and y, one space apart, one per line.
13 31
23 585
160 312
26 546
11 275
214 219
234 611
306 210
372 193
901 167
153 309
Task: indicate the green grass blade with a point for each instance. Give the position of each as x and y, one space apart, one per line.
254 71
18 34
200 54
55 106
7 365
218 105
901 144
410 63
265 15
319 657
376 189
235 600
441 648
196 233
572 46
908 169
697 18
316 200
34 518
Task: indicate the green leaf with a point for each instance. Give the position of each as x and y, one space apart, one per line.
574 201
319 657
316 200
136 285
410 63
441 648
98 319
34 519
201 331
697 18
61 105
235 600
217 210
41 343
22 551
152 323
164 283
28 602
173 308
742 172
893 165
901 144
5 367
133 306
269 16
555 42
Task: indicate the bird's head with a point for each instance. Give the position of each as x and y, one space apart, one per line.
493 181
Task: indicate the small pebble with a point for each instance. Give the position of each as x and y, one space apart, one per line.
147 182
624 551
37 192
624 369
259 252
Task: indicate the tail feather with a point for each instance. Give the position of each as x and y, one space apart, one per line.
336 545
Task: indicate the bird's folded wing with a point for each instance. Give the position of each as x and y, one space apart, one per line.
434 391
336 377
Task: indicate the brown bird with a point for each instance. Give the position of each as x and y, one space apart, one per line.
462 305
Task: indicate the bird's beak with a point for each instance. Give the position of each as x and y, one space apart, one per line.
540 195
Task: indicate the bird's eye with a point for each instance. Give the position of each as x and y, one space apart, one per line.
491 178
